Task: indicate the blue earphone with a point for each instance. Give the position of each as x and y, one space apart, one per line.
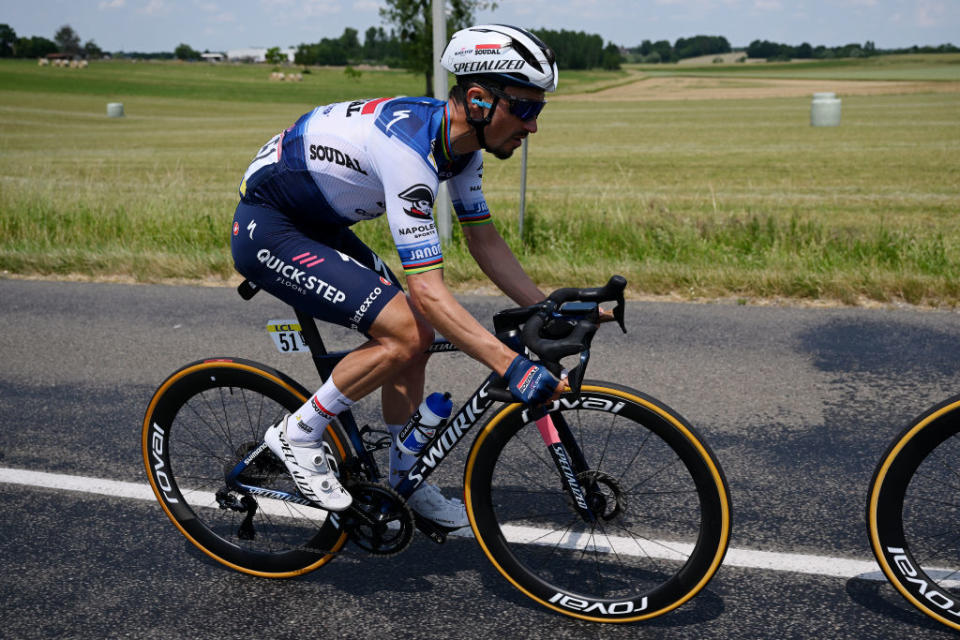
481 103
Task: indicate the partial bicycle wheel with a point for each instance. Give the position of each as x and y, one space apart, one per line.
201 422
659 497
913 513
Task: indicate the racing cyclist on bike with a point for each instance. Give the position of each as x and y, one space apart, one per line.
351 161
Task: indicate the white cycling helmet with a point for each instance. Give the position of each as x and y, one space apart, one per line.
509 54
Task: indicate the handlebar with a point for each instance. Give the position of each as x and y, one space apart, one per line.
562 325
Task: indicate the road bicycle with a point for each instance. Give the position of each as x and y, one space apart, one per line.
912 512
604 505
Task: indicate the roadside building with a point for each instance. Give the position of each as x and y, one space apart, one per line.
256 54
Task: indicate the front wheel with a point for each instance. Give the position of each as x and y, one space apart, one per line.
913 511
653 519
201 422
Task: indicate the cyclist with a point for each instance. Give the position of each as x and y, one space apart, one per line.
351 161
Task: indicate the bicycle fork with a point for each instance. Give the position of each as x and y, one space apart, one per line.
569 461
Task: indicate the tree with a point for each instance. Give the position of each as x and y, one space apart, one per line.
275 56
574 49
612 58
380 47
414 23
8 41
35 47
373 41
68 40
664 49
350 44
91 50
185 52
700 46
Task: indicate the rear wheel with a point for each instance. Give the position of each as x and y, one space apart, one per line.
659 502
201 422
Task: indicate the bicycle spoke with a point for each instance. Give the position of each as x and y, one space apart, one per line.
647 509
210 421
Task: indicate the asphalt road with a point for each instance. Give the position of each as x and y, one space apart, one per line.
798 404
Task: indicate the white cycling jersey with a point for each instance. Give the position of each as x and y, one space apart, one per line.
351 161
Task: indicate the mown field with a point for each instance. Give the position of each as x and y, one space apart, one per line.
689 198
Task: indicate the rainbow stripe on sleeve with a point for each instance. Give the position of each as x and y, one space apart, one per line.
425 265
480 214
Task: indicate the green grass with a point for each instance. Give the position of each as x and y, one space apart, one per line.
692 198
916 68
203 81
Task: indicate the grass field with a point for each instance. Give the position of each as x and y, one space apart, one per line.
913 67
690 198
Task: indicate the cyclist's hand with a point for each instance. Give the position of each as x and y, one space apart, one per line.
606 316
529 382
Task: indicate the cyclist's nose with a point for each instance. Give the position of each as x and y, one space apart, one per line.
530 125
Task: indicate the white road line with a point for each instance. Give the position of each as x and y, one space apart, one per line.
744 558
77 483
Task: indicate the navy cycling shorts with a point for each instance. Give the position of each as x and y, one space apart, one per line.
324 270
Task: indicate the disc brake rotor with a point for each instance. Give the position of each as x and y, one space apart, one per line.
604 495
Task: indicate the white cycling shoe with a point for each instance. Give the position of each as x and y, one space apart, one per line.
309 469
428 502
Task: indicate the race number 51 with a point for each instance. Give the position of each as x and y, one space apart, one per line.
286 336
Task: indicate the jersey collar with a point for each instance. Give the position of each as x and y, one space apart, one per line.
442 149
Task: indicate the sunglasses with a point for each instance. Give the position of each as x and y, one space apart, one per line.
522 108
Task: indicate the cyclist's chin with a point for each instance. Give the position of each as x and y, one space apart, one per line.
506 149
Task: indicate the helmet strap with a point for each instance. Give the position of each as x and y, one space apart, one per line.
479 124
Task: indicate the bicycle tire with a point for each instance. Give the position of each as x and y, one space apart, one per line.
200 422
913 510
656 554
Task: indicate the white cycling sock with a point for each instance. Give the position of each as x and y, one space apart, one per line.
400 462
307 423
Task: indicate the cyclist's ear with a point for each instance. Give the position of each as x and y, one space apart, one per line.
478 99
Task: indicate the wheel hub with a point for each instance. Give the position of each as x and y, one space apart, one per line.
604 494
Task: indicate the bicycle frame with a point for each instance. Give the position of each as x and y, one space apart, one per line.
556 434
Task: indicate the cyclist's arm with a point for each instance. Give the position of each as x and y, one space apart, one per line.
497 261
432 298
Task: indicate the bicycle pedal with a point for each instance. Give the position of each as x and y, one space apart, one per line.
382 441
435 532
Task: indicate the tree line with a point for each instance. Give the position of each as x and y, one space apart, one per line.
776 51
65 41
408 45
575 50
662 51
379 47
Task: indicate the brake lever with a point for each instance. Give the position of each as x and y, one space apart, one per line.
575 376
619 314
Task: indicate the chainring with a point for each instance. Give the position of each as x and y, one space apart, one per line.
379 520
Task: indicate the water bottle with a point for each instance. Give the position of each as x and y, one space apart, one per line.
423 424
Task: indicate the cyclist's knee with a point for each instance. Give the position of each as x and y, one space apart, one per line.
403 332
